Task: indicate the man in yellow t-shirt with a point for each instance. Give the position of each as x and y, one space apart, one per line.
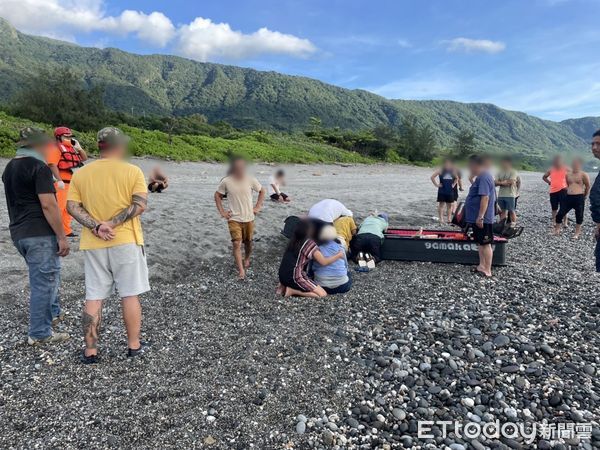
107 197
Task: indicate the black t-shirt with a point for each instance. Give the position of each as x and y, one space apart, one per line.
24 179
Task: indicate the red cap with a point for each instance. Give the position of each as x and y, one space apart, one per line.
62 131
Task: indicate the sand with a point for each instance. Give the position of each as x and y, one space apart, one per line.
183 226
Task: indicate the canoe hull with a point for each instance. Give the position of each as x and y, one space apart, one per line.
445 250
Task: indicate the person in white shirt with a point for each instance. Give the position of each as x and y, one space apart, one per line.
326 212
276 182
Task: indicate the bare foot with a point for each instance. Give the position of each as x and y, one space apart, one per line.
576 236
280 289
246 263
242 275
288 292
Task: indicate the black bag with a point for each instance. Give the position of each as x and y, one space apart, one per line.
458 218
503 229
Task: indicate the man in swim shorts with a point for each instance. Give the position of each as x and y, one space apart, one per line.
556 178
479 212
507 179
578 189
238 187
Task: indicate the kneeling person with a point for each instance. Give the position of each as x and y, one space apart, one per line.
370 237
107 197
293 270
335 277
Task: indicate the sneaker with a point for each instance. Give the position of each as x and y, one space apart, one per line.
370 261
361 260
54 338
92 359
58 319
135 352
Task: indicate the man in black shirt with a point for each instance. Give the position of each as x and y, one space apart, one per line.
36 230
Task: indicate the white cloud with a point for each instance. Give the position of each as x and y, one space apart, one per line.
55 18
204 40
462 44
201 39
154 28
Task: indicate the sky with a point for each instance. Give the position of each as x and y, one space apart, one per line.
536 56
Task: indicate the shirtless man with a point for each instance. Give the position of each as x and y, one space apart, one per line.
578 188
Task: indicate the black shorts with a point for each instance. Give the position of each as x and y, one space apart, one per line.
576 202
483 236
445 198
556 199
276 197
455 194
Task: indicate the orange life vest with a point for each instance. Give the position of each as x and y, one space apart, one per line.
69 158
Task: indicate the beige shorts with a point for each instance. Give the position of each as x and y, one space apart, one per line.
122 267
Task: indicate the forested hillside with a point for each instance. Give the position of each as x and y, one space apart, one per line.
584 127
167 85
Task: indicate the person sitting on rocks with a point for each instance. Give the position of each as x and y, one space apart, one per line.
293 271
334 278
275 184
157 181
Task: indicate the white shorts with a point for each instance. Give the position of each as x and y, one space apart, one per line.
122 267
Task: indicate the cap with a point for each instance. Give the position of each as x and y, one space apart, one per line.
32 136
110 137
385 216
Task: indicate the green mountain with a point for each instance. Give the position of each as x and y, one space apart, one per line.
246 98
584 127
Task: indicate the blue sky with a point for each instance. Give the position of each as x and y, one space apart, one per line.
537 56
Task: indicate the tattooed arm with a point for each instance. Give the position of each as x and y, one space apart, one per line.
139 203
81 215
100 229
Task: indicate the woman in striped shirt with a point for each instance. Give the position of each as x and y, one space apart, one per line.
293 271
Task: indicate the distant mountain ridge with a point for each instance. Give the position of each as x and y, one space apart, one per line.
247 98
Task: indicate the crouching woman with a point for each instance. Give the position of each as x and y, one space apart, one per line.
334 278
293 271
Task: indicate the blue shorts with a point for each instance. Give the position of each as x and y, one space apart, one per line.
507 203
